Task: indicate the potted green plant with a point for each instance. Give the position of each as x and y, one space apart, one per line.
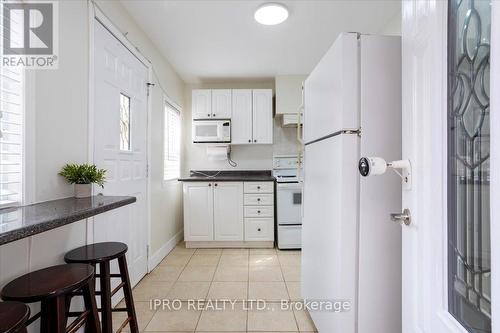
83 176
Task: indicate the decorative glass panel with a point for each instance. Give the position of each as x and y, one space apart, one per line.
469 274
124 122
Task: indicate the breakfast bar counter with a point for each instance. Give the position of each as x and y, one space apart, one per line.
24 221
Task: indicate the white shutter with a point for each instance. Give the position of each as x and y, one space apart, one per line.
11 125
172 143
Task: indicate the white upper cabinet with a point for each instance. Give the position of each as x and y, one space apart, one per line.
202 103
289 93
241 121
228 211
262 116
250 112
221 103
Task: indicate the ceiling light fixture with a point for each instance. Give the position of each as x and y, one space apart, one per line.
271 14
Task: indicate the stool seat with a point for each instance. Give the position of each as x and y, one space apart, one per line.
48 282
96 253
13 316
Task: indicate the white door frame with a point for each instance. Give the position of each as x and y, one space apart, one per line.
495 160
95 13
425 49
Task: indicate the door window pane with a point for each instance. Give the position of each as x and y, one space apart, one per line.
469 274
124 122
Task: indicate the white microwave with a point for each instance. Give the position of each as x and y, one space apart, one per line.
213 131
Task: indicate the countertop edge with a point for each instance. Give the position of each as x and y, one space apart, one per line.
242 179
27 231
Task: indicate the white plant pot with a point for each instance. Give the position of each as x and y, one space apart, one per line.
83 190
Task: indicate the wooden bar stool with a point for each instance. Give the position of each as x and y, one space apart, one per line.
13 317
101 254
52 287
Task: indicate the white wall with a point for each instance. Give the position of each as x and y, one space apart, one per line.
248 157
393 26
60 116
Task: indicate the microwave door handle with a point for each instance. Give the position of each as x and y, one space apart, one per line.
219 132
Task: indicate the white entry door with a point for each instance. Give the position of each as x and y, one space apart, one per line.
120 145
447 248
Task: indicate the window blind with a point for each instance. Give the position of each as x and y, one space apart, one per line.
11 122
172 143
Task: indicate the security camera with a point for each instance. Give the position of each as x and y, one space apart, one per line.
369 166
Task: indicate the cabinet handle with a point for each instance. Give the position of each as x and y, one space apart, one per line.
209 184
213 114
258 212
258 187
254 140
258 199
215 184
208 114
249 140
258 229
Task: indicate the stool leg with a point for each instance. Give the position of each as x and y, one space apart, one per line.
53 318
92 323
127 291
105 281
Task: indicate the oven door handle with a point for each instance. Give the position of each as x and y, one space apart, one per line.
297 186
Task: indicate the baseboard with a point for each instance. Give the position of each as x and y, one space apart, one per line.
230 244
162 252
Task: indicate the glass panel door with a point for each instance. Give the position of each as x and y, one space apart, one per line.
469 274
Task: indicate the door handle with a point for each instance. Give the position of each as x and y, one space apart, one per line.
402 218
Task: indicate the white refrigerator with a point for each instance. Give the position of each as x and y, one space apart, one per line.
351 249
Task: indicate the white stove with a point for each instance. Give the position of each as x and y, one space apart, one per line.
289 201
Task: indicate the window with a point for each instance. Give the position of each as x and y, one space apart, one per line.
11 126
172 142
469 237
125 122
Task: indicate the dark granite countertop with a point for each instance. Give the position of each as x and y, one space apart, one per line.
21 222
230 176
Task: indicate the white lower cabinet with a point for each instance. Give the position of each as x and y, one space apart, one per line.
259 211
259 229
228 211
213 211
198 211
259 199
224 212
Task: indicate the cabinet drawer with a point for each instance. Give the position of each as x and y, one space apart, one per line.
259 211
259 199
255 187
259 229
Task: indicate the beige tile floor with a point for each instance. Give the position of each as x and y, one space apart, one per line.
221 274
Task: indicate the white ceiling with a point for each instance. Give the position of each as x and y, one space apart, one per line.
208 41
